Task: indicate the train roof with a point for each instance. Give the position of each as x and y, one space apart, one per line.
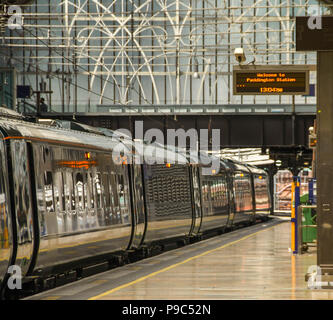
235 165
256 170
13 128
40 132
81 135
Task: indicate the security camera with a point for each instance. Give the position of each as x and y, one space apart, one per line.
239 55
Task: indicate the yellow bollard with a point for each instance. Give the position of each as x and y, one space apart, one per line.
293 216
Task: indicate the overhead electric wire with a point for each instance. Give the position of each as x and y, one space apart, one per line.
97 76
37 69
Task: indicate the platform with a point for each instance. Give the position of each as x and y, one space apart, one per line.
250 263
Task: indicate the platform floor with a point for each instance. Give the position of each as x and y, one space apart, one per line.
251 263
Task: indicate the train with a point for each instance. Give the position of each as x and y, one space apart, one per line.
68 204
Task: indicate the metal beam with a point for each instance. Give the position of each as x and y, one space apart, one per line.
236 130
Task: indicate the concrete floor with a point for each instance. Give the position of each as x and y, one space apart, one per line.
252 263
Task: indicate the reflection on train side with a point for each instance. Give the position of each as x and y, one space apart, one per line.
79 194
242 191
5 234
261 194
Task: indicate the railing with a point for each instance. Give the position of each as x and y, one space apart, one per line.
208 109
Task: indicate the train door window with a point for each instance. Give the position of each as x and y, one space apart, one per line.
48 190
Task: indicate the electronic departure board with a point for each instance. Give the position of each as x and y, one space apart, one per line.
268 81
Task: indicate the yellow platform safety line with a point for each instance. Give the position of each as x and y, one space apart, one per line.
175 265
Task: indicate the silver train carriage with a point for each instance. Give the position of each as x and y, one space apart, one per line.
65 201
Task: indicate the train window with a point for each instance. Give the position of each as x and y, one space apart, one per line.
106 185
63 207
45 153
72 194
243 193
79 190
48 190
69 191
85 191
91 191
261 192
114 191
66 193
123 196
98 190
121 191
215 194
39 176
58 191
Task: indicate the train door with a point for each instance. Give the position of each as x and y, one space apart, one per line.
27 235
231 199
253 217
6 240
196 196
139 217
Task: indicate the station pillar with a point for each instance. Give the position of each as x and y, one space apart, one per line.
324 166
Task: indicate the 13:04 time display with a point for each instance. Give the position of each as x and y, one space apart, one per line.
270 89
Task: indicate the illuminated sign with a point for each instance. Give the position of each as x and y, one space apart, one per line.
268 80
77 164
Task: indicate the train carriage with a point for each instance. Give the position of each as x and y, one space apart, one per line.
68 202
